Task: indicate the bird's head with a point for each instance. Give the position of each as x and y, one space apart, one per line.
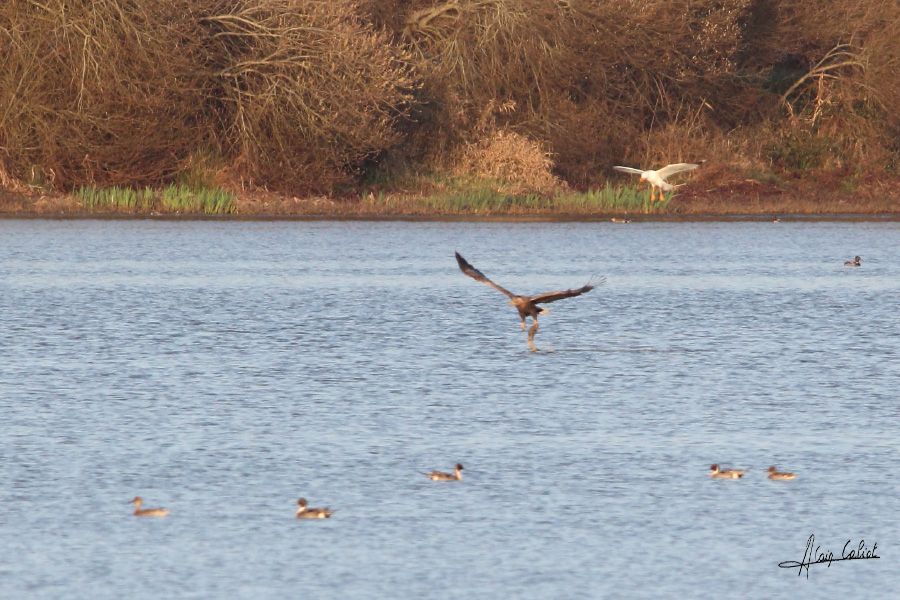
714 467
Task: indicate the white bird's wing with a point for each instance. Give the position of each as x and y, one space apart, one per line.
670 170
629 170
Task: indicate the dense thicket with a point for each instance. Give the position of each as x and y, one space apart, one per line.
305 95
106 90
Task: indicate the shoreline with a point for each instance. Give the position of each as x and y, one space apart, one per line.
728 203
762 217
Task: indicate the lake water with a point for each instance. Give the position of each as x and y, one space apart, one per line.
224 369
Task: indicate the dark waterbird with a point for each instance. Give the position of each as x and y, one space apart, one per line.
526 305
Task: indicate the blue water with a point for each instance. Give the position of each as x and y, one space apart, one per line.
224 369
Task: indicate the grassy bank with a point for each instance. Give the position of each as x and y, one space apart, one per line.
764 196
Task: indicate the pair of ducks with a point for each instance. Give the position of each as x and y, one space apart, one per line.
717 473
304 511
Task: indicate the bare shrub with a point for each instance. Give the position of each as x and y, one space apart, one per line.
634 68
295 93
303 95
107 91
587 78
521 166
309 91
604 82
840 67
488 63
388 15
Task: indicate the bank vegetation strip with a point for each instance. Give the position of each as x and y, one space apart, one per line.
454 106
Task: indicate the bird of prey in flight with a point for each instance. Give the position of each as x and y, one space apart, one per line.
526 305
657 179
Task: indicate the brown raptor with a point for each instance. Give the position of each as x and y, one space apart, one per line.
526 305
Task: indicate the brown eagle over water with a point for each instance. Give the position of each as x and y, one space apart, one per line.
526 305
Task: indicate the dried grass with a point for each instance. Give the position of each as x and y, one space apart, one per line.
519 165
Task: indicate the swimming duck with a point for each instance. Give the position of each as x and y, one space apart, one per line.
441 476
304 512
715 471
856 262
618 220
776 474
147 512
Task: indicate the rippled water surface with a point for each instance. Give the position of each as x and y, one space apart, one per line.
224 369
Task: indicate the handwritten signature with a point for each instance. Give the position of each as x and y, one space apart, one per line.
813 556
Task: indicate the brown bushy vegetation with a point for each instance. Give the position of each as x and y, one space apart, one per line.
514 164
106 91
305 95
308 91
291 93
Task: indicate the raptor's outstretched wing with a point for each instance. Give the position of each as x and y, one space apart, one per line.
554 296
477 275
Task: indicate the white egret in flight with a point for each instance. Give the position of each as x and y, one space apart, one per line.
657 179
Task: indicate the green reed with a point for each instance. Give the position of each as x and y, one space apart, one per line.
612 199
181 199
115 198
188 199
